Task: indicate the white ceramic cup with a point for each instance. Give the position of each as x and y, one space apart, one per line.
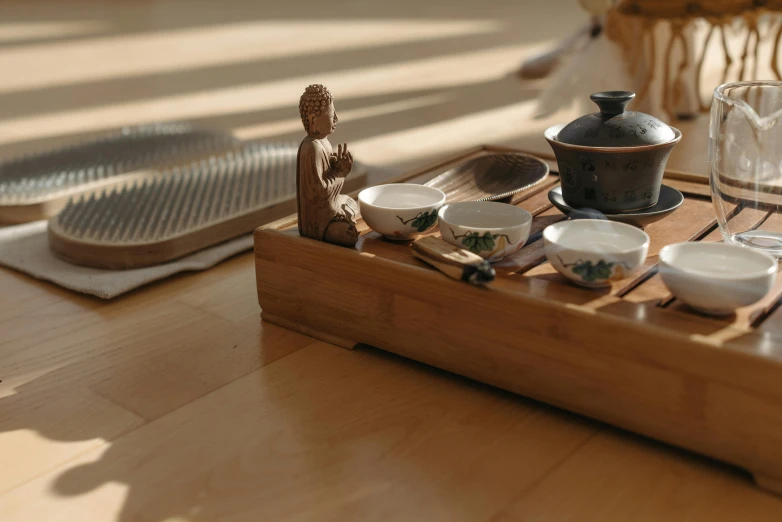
716 278
491 230
595 252
400 211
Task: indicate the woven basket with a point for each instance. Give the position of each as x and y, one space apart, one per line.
633 25
670 9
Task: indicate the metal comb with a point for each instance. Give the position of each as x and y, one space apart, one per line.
37 186
183 210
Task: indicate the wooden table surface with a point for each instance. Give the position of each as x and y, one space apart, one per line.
176 403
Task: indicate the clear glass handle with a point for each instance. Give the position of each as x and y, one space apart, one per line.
745 163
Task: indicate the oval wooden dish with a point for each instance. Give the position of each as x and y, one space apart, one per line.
491 177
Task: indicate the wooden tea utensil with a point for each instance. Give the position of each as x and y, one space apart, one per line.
491 177
38 186
454 262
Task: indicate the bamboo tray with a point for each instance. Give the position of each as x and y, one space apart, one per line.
630 356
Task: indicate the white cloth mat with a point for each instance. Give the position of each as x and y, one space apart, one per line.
26 248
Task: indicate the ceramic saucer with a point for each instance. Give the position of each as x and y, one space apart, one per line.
670 200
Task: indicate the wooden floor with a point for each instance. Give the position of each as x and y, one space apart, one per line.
176 403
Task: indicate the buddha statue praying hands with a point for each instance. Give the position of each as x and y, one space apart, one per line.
324 213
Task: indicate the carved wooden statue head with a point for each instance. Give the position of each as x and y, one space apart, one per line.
316 108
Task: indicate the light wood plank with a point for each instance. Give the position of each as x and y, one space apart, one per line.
323 434
47 428
222 290
39 344
196 365
595 485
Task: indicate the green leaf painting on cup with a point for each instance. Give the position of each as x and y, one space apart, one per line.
590 272
423 221
476 242
601 271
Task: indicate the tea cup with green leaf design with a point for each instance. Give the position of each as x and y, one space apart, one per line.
400 211
491 230
595 252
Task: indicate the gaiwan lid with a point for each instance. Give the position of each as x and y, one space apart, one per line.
614 126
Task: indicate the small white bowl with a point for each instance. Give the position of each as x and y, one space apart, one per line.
400 211
716 278
491 230
595 252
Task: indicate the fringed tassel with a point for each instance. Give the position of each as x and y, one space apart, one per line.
775 55
634 47
757 48
726 50
703 107
752 30
647 33
679 86
677 28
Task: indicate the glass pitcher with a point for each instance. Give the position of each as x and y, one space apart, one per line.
745 163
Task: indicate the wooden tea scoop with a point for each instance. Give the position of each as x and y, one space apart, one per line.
454 262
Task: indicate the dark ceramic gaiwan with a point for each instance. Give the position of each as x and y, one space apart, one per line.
613 160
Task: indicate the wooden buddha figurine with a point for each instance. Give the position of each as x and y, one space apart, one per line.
324 213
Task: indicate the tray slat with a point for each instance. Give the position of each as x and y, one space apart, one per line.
537 203
532 254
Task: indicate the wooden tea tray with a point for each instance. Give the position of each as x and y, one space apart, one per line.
630 356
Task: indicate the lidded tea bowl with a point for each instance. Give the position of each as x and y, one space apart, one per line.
612 160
